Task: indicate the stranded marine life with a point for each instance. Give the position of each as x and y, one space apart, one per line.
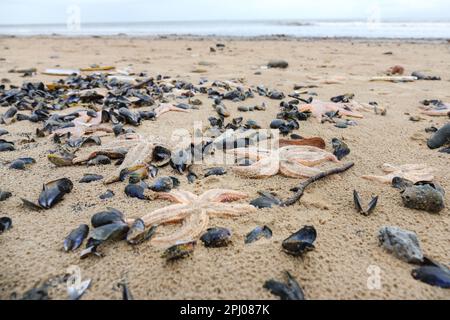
135 191
301 241
401 183
162 184
370 207
433 273
88 178
218 171
194 211
138 234
401 243
282 64
421 76
258 233
412 172
52 193
179 250
4 195
440 137
6 146
340 148
286 291
109 216
76 290
107 195
5 224
112 231
216 237
76 237
21 163
266 200
423 197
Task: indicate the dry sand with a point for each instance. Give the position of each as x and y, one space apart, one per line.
346 246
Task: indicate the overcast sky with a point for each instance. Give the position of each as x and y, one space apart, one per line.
55 11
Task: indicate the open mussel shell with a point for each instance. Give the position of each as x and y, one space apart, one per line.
76 237
286 291
216 237
179 250
162 184
358 204
54 191
301 241
433 273
109 216
161 156
5 224
112 231
138 234
258 233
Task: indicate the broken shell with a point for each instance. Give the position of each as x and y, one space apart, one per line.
301 241
258 233
402 243
218 171
423 197
76 237
401 183
107 217
441 137
216 237
433 274
5 195
88 178
289 291
179 251
53 192
267 200
137 233
5 224
340 148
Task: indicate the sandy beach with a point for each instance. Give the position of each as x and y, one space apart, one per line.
347 243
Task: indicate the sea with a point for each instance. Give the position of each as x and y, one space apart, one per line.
263 28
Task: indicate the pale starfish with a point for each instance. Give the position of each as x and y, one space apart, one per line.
138 152
319 108
167 107
290 161
411 172
194 212
83 125
439 109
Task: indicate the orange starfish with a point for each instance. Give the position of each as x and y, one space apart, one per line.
167 107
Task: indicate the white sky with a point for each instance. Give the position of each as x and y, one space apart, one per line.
55 11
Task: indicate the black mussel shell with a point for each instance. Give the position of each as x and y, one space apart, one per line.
99 160
161 156
109 216
216 237
358 204
340 148
88 178
191 177
432 273
76 237
117 129
180 161
267 200
112 231
54 191
277 123
153 171
126 293
289 291
179 250
162 184
440 137
258 233
17 164
6 146
5 224
5 195
301 241
218 171
135 191
31 205
138 233
130 117
401 183
107 195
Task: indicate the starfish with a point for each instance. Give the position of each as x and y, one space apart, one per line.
194 212
411 172
138 152
438 109
83 125
290 161
167 107
319 108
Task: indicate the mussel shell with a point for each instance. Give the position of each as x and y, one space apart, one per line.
258 233
76 237
112 231
17 165
401 183
340 148
277 123
5 224
135 191
179 250
107 195
289 291
440 137
99 160
6 146
218 171
434 275
216 237
301 241
161 156
107 217
4 195
138 233
162 184
54 191
88 178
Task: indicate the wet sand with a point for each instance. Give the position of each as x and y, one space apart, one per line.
347 241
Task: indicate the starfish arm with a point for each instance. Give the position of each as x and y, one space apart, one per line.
297 170
167 107
382 179
179 196
435 113
307 155
264 168
224 210
169 214
314 141
251 153
193 226
314 110
222 195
